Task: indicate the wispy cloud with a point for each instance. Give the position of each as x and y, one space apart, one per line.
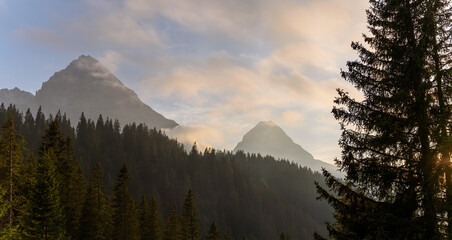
219 67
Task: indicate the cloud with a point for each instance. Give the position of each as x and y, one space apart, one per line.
204 136
41 36
217 67
116 29
111 60
293 118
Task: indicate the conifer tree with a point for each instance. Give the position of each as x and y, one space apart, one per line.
125 222
172 226
226 236
190 219
144 216
95 218
69 175
214 233
390 145
150 220
44 216
11 156
5 232
72 189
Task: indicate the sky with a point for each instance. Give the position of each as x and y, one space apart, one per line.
215 67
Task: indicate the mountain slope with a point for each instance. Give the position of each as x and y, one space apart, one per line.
87 86
21 99
267 138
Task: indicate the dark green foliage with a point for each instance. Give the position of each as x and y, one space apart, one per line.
12 177
245 194
44 216
214 233
125 222
172 226
95 218
190 219
151 223
227 236
69 174
390 140
284 236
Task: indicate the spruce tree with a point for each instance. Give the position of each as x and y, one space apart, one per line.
11 156
172 226
190 219
95 218
72 188
390 144
150 220
69 175
144 216
5 232
214 233
44 217
125 222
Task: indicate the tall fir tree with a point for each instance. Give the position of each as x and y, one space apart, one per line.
151 224
125 222
214 233
190 219
5 232
11 157
44 217
173 225
390 144
438 22
69 175
95 218
72 188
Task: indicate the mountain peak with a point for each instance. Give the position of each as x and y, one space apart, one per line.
86 62
267 124
86 85
267 138
86 58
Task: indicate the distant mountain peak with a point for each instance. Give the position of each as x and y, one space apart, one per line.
267 124
267 138
86 62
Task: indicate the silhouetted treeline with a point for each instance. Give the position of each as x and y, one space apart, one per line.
244 195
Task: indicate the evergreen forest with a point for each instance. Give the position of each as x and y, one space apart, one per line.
100 180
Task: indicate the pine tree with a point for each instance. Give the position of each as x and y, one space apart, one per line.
69 175
125 222
44 216
390 147
95 218
4 228
214 233
150 220
72 189
144 216
11 156
172 226
226 236
190 219
438 21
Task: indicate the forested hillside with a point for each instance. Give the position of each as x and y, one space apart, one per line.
244 195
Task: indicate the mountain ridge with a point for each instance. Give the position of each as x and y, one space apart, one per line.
85 85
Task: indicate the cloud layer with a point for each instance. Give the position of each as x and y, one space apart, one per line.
216 67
